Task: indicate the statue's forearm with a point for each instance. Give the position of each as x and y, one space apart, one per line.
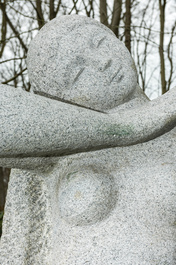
32 125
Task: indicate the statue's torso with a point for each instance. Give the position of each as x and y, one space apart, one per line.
113 206
116 206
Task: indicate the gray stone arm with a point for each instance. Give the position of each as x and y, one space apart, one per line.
35 126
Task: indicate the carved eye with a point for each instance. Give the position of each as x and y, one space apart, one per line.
80 60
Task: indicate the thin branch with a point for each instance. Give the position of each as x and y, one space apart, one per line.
170 58
13 28
39 13
58 6
92 7
85 7
40 17
15 36
14 77
12 59
74 6
22 14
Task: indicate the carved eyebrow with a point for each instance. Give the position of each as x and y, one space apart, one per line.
78 74
100 41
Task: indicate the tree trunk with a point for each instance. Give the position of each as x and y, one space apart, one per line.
52 11
2 190
3 28
40 17
4 179
162 5
103 12
117 9
2 7
128 25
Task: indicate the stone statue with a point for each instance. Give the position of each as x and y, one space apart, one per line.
94 178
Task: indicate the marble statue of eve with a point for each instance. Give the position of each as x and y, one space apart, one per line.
94 174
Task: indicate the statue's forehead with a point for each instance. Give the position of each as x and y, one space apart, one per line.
85 33
87 36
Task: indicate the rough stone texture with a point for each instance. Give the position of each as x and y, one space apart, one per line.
92 186
27 225
140 229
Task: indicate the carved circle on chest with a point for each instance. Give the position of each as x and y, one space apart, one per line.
86 196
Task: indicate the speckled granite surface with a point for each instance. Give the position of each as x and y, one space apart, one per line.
94 178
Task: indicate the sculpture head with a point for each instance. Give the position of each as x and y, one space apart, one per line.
78 60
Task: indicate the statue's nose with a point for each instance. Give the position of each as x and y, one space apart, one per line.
103 63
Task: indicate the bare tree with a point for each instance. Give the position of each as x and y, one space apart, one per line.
170 56
4 178
166 50
116 16
143 35
103 12
128 25
162 7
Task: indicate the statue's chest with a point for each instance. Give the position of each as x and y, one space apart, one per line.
119 204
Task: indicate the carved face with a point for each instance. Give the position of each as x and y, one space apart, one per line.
100 71
88 66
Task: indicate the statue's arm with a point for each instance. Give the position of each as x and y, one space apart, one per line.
35 126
